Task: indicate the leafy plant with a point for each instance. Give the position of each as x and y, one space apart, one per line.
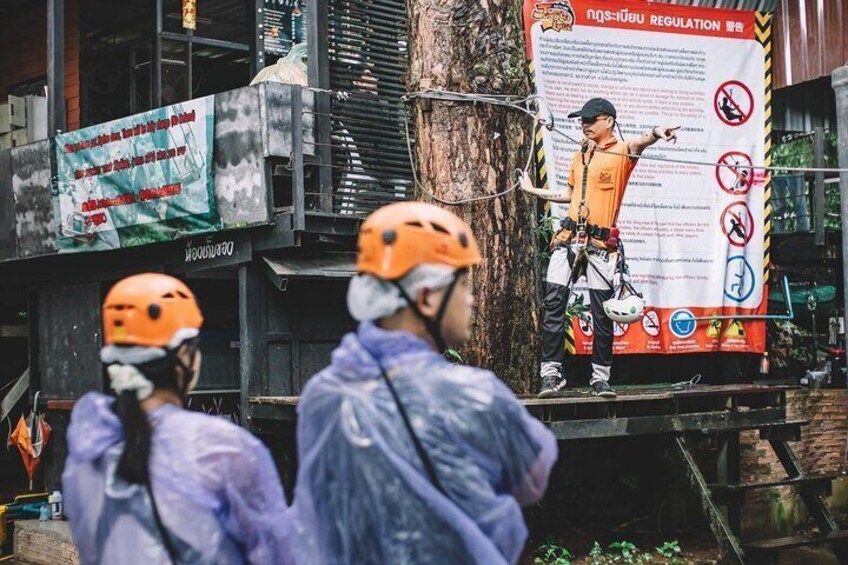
453 355
669 549
553 554
597 554
625 550
577 307
545 232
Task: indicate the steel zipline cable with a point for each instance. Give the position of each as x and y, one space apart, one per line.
536 107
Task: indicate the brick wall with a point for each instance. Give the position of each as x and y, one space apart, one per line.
820 451
23 42
44 543
822 446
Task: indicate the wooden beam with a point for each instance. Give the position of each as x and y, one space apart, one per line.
728 472
251 329
727 541
815 505
707 422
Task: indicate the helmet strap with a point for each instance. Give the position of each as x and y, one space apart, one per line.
433 325
188 372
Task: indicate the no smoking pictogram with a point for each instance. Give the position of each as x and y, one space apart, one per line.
737 223
733 103
735 173
651 323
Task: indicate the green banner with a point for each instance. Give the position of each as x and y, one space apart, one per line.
138 180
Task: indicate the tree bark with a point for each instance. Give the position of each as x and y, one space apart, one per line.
466 150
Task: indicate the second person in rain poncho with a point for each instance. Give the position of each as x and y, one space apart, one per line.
405 457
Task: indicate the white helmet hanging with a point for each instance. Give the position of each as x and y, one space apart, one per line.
625 310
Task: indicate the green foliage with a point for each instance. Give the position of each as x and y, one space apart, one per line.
552 554
577 308
623 552
545 229
669 549
597 554
454 356
800 153
795 153
545 232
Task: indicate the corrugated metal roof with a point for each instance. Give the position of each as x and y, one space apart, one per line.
808 35
804 106
758 5
809 40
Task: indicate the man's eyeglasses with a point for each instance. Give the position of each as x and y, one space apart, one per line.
590 121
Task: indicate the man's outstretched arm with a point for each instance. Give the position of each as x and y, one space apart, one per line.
637 146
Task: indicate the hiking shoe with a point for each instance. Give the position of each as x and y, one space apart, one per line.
552 381
551 386
602 389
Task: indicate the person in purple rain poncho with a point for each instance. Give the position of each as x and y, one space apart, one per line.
147 481
405 457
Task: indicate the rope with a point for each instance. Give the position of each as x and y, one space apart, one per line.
536 107
524 105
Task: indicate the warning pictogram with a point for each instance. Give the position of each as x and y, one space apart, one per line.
619 329
737 223
739 280
585 322
682 323
734 103
735 329
735 173
714 329
651 323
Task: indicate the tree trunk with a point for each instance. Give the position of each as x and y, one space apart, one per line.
466 150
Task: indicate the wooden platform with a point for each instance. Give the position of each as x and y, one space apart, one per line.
635 411
676 414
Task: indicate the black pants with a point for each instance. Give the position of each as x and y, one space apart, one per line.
553 317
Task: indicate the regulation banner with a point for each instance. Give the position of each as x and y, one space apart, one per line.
137 180
696 236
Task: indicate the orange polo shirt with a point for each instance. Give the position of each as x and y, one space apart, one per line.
605 185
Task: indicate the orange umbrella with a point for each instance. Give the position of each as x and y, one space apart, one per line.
30 437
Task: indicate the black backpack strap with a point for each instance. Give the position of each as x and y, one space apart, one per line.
163 532
429 468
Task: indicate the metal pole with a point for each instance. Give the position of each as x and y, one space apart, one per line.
298 189
189 67
257 46
819 204
57 120
840 86
317 39
156 55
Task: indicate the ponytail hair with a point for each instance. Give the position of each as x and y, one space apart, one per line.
133 466
134 383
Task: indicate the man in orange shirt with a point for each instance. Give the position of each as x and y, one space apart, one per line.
599 172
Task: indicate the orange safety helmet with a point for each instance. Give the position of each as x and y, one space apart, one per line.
399 237
150 310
